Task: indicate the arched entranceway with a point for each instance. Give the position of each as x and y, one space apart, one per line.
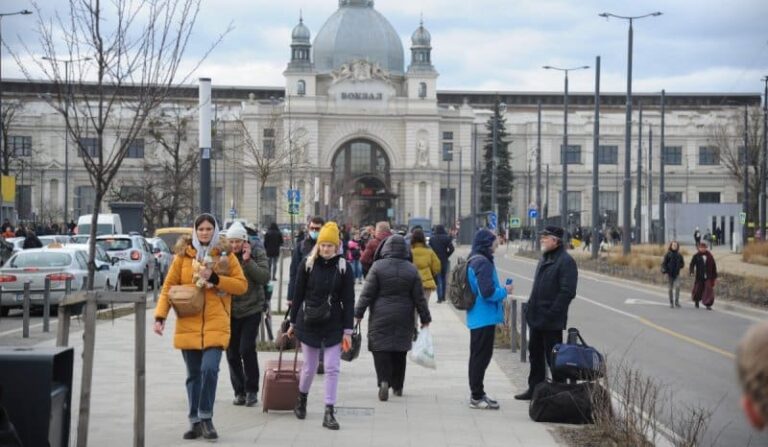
361 192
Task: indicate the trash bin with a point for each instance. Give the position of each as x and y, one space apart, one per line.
37 393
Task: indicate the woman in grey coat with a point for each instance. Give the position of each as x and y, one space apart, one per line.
392 291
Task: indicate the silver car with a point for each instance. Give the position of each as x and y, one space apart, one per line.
135 255
36 264
102 259
163 255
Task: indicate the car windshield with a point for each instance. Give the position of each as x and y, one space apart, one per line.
100 229
80 239
114 244
41 259
171 238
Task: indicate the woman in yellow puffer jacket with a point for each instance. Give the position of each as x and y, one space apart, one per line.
202 260
426 262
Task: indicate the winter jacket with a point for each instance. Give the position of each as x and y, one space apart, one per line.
488 309
303 247
353 251
273 240
31 242
442 243
392 290
322 279
554 287
426 261
256 270
370 249
210 328
672 264
698 267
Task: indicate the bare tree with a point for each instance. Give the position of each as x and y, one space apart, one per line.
9 114
728 141
135 50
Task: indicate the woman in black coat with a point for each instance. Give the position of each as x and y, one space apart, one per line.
671 266
273 240
392 290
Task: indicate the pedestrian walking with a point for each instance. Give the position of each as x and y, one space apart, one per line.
697 237
671 266
203 337
246 317
321 317
392 292
485 314
704 270
752 367
31 241
442 243
426 261
554 287
353 257
383 231
273 240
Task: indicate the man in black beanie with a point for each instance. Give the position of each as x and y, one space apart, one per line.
554 287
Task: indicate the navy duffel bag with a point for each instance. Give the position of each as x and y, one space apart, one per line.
576 360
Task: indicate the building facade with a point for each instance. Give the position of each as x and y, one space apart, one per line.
364 137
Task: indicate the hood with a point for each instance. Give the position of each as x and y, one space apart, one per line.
395 247
483 242
439 229
203 250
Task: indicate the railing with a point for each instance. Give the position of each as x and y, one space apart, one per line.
518 336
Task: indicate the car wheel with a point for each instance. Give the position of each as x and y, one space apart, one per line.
4 311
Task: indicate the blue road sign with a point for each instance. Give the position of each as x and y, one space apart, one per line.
533 213
492 221
294 196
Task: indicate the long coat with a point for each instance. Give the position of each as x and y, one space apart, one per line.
554 287
316 284
273 240
392 291
426 261
211 327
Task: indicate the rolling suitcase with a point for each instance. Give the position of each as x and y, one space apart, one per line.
281 383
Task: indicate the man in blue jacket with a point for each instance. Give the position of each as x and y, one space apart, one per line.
554 286
483 317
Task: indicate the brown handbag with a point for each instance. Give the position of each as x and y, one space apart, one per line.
187 300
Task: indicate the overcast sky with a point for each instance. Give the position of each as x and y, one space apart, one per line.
695 46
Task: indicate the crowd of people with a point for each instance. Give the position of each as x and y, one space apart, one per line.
398 275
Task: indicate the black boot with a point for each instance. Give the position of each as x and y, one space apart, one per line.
527 395
300 410
329 421
209 431
194 431
239 399
251 399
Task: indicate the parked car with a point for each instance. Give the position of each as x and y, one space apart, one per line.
102 259
49 239
36 264
163 255
105 224
136 256
79 239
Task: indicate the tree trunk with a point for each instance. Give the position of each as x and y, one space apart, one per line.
92 237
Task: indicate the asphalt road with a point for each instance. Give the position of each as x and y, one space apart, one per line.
689 351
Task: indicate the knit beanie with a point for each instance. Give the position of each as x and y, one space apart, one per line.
237 231
329 234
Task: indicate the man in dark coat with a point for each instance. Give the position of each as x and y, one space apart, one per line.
442 244
704 268
671 265
31 241
392 291
382 232
554 286
273 240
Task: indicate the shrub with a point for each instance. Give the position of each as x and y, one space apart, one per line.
756 253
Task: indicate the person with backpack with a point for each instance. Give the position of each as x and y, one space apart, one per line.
554 287
322 317
353 256
273 240
442 243
393 292
483 316
426 262
671 265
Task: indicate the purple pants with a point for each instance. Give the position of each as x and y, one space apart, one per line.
332 362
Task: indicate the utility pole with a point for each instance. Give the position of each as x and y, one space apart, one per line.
638 205
764 168
745 206
662 154
649 228
595 165
204 136
538 177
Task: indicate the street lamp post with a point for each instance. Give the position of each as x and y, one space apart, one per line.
764 168
564 149
625 239
67 97
2 171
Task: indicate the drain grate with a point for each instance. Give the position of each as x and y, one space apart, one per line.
355 411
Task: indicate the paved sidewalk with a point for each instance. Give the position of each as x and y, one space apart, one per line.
432 412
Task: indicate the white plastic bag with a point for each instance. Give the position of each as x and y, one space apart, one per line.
423 352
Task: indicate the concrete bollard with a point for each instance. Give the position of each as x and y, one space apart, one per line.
523 334
25 316
513 323
47 305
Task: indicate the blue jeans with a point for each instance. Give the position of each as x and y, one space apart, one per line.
357 269
441 280
202 376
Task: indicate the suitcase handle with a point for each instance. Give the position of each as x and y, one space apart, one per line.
295 356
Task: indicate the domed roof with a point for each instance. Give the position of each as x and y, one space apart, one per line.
300 33
421 37
357 31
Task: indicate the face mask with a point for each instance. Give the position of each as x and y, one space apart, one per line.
314 234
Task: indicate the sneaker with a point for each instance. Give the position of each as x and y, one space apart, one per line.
239 400
384 391
251 399
485 403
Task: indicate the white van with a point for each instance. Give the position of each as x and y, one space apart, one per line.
105 224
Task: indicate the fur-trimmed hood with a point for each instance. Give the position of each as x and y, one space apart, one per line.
184 246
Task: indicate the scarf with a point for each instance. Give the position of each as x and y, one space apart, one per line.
202 250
